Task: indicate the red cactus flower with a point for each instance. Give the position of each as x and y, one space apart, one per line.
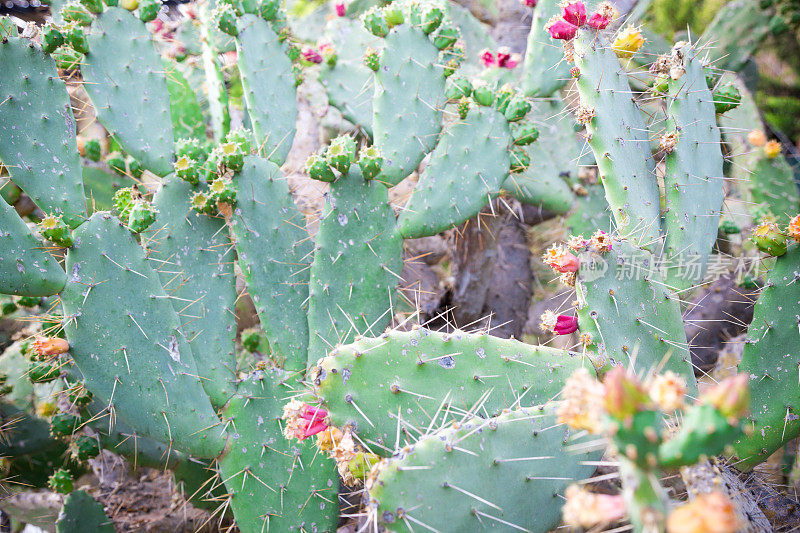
598 21
311 55
574 13
340 10
487 58
561 260
529 3
565 325
503 55
561 29
512 61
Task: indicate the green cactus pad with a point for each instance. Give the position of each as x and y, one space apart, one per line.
544 70
214 80
408 101
125 338
356 265
274 251
368 382
619 140
633 317
82 513
771 357
349 82
504 473
186 114
25 269
772 185
733 36
693 178
467 169
269 88
591 213
37 131
193 257
275 484
126 82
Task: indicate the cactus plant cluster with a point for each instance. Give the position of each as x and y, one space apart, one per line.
136 347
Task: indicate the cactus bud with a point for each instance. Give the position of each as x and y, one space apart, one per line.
371 59
558 324
517 108
221 190
560 259
76 38
707 513
29 301
231 156
393 15
186 169
628 42
268 9
74 11
457 87
757 138
582 402
730 396
135 168
487 58
148 9
49 346
192 149
93 149
667 390
123 201
502 97
772 149
328 53
370 162
79 396
225 19
585 509
52 38
116 161
624 393
142 215
729 227
524 133
726 97
463 107
483 95
431 19
202 203
85 447
769 239
67 59
375 22
318 169
341 153
519 160
56 231
793 229
446 36
64 424
311 55
61 481
43 371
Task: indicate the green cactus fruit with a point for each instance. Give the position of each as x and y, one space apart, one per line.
76 38
203 203
224 17
341 153
637 437
241 138
222 190
463 107
483 95
116 162
94 6
28 301
393 15
67 59
52 37
524 133
372 59
446 36
141 216
231 156
503 97
769 238
726 97
431 19
123 201
74 11
729 227
61 481
93 149
44 371
191 148
517 108
370 162
375 22
134 167
704 431
318 169
85 447
79 396
457 87
519 160
251 340
187 169
56 231
64 424
360 465
148 9
268 9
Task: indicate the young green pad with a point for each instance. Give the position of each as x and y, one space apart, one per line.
367 383
126 83
506 473
25 268
356 265
82 513
125 339
619 140
466 170
408 102
274 250
771 357
37 131
194 260
275 484
269 88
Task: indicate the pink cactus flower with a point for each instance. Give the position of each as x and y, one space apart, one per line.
312 56
529 3
565 325
598 21
503 55
340 9
487 58
512 61
311 422
561 260
574 13
561 29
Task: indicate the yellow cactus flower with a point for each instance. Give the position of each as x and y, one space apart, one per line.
628 42
772 149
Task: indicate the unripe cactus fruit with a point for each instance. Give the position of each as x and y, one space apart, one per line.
148 9
61 481
268 9
463 107
370 161
75 12
431 19
372 59
190 148
225 18
393 15
93 149
85 447
116 161
76 38
94 6
483 95
67 59
123 202
446 36
524 134
517 108
231 156
56 231
202 203
222 190
134 167
186 169
52 37
519 160
769 239
318 169
79 396
458 87
43 371
375 22
64 424
341 153
141 216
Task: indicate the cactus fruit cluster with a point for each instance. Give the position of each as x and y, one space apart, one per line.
134 302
